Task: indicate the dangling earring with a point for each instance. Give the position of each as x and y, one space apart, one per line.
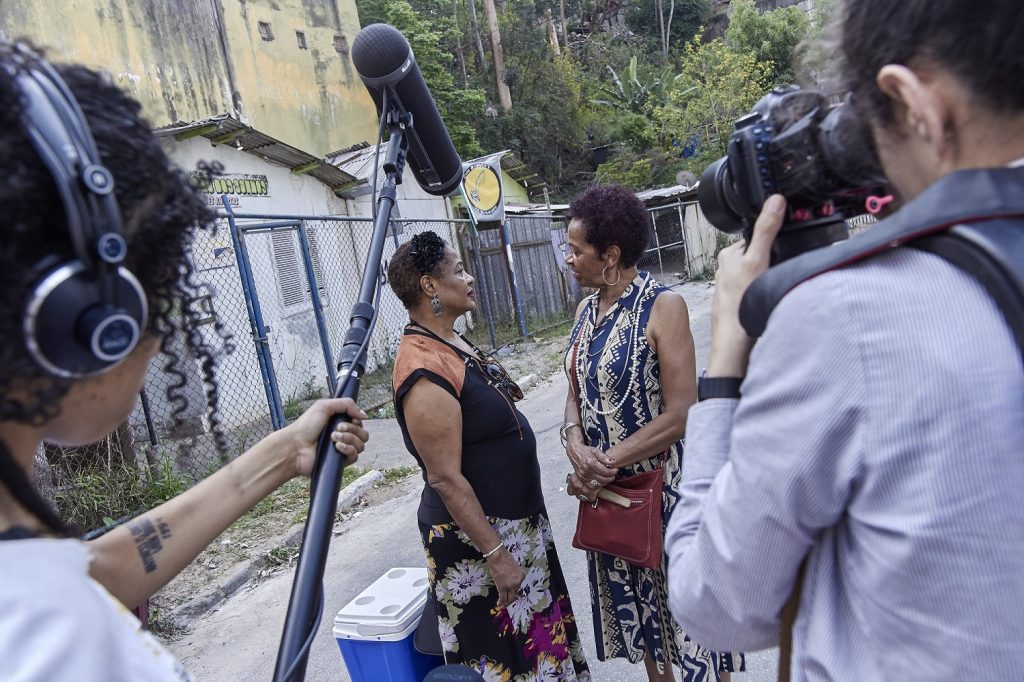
604 276
435 305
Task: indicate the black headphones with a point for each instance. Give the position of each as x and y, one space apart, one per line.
85 315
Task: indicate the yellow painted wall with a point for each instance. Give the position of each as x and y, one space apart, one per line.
191 59
514 192
310 98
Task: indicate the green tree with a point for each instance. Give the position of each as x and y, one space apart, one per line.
635 91
817 56
628 171
642 18
547 125
771 37
429 31
717 85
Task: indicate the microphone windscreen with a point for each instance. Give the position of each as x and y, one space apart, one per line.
386 65
379 50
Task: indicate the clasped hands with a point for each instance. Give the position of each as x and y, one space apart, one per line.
592 469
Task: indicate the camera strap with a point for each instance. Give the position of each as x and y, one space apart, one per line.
980 230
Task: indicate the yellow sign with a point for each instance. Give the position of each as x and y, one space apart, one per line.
483 188
482 184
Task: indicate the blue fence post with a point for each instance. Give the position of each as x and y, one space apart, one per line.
484 285
318 313
506 241
259 330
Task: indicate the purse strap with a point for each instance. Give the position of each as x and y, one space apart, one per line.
573 382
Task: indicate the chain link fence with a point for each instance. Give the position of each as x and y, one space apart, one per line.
263 275
682 242
283 287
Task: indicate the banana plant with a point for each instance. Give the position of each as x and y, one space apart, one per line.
629 93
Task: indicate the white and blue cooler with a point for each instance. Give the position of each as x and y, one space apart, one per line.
375 630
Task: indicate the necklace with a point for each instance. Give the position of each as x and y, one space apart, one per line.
632 369
493 373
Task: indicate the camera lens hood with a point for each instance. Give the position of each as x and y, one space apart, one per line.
717 197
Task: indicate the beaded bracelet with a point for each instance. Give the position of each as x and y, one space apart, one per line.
500 545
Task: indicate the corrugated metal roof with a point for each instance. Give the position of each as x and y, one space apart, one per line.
226 129
521 173
654 196
517 170
358 161
536 209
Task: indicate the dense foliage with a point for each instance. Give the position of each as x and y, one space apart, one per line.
629 91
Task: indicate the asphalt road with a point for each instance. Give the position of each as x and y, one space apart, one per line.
239 641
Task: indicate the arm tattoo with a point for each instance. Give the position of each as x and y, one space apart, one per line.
147 540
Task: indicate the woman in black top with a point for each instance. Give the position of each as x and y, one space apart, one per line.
503 607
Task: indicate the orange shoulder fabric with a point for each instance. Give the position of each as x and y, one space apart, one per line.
422 352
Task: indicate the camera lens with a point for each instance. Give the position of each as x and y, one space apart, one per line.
849 149
717 197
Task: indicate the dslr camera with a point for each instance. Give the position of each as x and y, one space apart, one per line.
820 157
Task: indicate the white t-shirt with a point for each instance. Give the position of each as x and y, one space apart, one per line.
57 623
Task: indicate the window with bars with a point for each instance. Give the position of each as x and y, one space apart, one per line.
291 275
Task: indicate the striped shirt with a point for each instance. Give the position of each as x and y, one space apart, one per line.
880 438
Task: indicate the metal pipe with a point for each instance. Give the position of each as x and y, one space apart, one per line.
506 241
318 313
306 603
259 334
340 218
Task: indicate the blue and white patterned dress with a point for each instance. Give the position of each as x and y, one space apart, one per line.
619 379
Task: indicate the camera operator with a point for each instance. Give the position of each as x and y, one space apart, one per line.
876 450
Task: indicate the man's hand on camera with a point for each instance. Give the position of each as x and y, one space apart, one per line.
738 266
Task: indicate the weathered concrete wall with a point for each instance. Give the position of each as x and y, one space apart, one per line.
311 98
165 52
190 59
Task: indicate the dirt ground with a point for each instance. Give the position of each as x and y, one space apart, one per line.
253 536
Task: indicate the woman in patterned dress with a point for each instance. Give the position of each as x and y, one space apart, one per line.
631 359
503 606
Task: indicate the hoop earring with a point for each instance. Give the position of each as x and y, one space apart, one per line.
604 277
435 305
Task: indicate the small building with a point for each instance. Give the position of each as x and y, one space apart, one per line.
682 241
261 176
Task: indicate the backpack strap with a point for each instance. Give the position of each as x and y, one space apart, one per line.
993 253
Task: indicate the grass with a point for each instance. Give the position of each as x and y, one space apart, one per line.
397 474
290 500
385 411
282 556
507 331
295 404
161 627
99 495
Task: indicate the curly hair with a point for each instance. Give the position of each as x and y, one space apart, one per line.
162 211
980 46
424 255
611 214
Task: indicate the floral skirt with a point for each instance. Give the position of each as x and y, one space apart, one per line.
534 638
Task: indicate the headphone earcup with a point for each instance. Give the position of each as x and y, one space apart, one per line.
71 327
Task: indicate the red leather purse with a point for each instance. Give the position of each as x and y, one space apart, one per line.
627 522
632 533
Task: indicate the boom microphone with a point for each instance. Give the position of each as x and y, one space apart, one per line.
385 63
